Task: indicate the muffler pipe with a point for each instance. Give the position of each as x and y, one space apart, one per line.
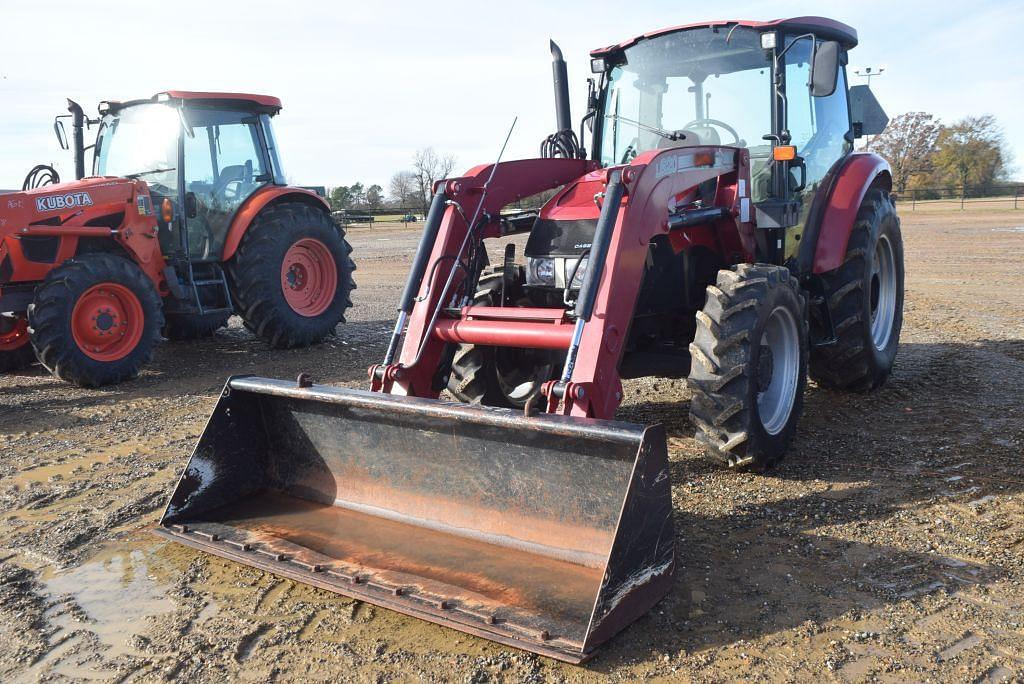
563 118
419 269
78 137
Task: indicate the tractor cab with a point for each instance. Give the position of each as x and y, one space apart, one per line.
202 155
777 89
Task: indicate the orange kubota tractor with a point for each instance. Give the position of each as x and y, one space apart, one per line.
721 227
186 219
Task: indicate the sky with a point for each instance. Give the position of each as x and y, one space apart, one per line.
365 85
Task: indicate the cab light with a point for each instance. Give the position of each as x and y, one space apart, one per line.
167 211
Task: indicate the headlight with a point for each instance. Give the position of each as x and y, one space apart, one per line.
577 277
540 272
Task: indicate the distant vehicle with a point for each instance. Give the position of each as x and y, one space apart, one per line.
185 219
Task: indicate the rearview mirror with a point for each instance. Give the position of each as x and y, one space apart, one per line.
824 69
62 136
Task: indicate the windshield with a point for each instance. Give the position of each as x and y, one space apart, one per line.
140 141
693 87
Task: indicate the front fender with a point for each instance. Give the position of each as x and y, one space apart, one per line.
250 209
841 201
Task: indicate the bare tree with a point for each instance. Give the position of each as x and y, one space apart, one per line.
429 168
907 144
403 189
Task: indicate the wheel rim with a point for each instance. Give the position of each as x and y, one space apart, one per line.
883 293
107 322
778 370
309 277
519 373
13 333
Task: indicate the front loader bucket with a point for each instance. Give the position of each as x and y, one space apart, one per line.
546 533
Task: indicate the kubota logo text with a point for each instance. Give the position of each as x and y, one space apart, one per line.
71 200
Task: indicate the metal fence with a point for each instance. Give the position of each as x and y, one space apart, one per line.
996 196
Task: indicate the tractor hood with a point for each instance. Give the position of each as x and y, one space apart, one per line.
565 226
51 204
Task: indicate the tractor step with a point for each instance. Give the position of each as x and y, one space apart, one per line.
194 291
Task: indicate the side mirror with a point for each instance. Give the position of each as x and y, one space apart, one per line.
62 136
824 69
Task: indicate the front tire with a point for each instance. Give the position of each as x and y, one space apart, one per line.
292 276
15 346
748 366
866 299
94 320
498 376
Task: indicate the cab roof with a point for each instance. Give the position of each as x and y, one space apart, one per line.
821 26
263 103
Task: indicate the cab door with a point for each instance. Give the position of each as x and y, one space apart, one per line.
819 128
225 163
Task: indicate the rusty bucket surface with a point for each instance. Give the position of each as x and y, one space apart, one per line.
546 533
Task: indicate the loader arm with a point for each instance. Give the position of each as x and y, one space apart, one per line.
652 181
413 375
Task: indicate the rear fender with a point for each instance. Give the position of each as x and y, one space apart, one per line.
258 201
835 209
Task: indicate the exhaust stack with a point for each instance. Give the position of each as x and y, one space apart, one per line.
78 137
560 72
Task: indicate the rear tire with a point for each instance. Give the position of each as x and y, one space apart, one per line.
95 319
181 327
748 366
15 346
498 376
292 276
866 300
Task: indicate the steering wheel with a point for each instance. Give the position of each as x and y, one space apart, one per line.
721 124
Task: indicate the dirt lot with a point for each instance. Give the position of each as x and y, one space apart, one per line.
889 545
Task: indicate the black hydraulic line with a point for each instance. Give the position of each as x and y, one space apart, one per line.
426 246
599 248
416 273
693 217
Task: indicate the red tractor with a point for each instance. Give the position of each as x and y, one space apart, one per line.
722 227
186 219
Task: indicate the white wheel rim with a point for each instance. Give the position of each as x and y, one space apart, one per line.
882 293
778 371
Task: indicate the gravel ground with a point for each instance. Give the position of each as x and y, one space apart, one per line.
889 545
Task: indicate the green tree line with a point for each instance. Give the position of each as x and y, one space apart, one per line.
927 155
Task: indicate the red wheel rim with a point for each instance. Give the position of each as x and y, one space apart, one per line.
13 333
107 322
309 277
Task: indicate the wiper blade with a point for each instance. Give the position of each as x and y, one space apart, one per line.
670 135
146 173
